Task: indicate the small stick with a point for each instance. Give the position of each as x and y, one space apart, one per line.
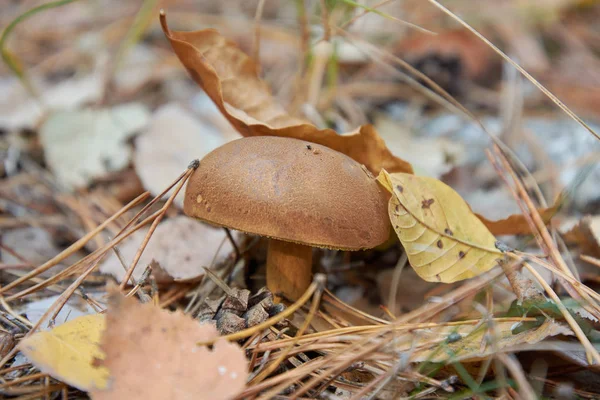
546 240
525 390
23 379
256 44
340 305
238 255
325 21
219 282
395 283
265 357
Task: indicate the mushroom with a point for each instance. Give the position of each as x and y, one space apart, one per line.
298 194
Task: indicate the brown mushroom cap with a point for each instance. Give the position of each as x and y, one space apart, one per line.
291 190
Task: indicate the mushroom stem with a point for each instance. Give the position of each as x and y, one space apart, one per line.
289 269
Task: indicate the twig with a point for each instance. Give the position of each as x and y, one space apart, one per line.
238 255
330 298
57 305
373 9
325 21
219 282
265 357
87 259
525 390
256 44
396 282
322 54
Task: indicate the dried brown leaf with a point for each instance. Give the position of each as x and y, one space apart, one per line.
515 224
230 79
586 234
152 354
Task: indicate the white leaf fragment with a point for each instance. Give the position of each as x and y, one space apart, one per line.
81 145
182 247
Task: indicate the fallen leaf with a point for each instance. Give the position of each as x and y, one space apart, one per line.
181 245
586 234
429 156
229 77
515 224
85 144
19 110
464 342
159 155
67 352
32 243
444 240
152 354
139 65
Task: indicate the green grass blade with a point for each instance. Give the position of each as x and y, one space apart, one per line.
9 59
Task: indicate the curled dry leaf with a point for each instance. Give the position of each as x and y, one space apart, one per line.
68 351
152 354
230 79
444 240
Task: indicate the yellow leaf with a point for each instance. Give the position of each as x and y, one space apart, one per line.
444 240
68 351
